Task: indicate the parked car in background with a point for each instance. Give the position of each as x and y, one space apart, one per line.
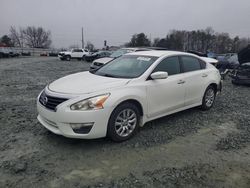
205 57
78 54
97 55
225 57
44 54
123 95
229 62
26 53
53 54
14 53
201 54
242 75
4 53
118 53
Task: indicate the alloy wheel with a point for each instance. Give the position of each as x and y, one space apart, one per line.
209 97
125 122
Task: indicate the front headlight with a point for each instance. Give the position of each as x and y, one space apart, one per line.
93 103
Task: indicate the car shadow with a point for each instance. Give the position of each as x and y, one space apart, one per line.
155 132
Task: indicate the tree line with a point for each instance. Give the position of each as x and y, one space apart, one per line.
204 41
33 37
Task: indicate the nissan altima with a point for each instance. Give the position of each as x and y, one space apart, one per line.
124 94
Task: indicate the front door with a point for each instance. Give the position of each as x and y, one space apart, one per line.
166 95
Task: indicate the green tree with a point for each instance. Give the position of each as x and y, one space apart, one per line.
7 40
139 40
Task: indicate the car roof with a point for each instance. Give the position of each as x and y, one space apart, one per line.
159 53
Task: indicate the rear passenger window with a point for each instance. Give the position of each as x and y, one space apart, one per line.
170 65
203 64
190 64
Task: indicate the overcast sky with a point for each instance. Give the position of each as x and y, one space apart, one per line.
117 20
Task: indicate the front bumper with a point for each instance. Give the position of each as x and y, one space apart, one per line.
61 57
60 122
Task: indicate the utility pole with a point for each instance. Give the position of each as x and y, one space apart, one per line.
150 39
82 39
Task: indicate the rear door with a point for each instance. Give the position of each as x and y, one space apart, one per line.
166 95
77 53
195 78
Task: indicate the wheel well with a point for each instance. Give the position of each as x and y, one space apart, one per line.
136 103
214 85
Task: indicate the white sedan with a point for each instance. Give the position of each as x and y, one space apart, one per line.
123 95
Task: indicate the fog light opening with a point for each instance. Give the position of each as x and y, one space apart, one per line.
82 128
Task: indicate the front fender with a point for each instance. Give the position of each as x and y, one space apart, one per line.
121 95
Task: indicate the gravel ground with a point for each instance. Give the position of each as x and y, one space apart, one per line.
188 149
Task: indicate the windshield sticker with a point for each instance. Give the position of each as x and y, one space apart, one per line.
144 58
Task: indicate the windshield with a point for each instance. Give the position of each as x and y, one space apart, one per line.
120 52
128 66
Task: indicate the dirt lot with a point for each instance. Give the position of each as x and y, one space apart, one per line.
189 149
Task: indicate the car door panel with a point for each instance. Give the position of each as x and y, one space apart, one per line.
165 95
194 87
195 78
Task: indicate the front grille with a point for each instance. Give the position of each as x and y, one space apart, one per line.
98 64
50 102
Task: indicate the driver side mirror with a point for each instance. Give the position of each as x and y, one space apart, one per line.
159 75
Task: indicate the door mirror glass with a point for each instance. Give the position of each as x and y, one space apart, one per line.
159 75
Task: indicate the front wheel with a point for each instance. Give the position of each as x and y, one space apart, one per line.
123 122
68 58
208 98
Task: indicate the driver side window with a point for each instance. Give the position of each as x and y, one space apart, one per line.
170 65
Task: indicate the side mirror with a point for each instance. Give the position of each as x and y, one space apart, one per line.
159 75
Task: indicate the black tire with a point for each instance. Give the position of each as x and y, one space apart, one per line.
83 58
205 104
67 57
112 132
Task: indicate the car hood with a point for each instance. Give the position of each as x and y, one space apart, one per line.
85 82
104 60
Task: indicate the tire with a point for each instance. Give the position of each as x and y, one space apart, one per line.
208 98
83 58
68 58
119 127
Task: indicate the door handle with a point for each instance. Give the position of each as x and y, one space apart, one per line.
181 82
204 75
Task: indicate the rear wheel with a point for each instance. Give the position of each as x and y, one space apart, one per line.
123 122
208 98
